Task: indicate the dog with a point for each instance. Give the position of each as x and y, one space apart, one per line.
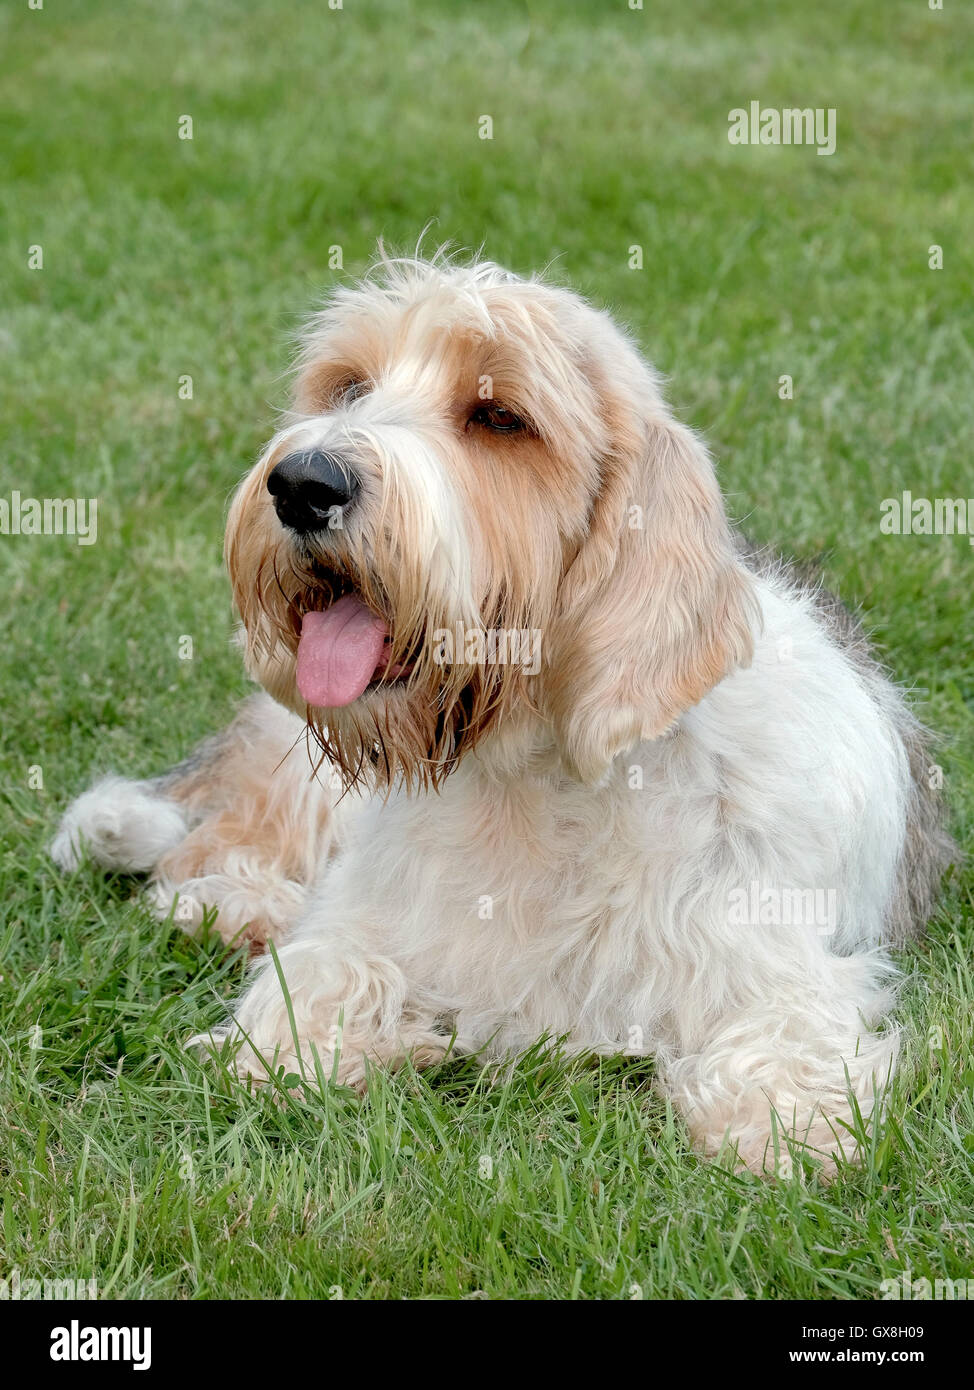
619 843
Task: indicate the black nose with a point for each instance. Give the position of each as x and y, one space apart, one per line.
307 488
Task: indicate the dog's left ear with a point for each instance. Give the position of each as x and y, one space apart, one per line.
656 607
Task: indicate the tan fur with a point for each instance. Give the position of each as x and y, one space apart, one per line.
657 607
637 625
253 795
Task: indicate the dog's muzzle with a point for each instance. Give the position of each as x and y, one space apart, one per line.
308 488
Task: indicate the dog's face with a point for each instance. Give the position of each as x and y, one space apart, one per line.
480 511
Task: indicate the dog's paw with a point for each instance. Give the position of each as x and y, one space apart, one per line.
272 1034
335 1022
249 907
121 824
778 1150
272 1058
186 909
778 1139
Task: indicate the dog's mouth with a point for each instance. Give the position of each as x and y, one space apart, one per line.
344 649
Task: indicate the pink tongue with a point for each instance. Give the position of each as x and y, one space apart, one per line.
338 652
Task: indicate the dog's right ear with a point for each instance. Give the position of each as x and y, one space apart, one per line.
656 607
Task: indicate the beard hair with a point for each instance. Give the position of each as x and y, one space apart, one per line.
400 737
411 731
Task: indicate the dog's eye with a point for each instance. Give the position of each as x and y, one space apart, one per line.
350 390
497 417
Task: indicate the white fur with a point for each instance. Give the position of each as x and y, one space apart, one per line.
245 893
122 825
610 919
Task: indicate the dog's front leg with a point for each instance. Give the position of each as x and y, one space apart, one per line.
326 1010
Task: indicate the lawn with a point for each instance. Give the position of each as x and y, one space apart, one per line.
124 1158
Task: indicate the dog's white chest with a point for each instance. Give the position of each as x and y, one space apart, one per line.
533 897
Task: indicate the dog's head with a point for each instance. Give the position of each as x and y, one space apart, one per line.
479 511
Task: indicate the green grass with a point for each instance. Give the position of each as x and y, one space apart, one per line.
123 1157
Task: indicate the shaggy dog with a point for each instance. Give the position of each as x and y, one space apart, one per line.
581 767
